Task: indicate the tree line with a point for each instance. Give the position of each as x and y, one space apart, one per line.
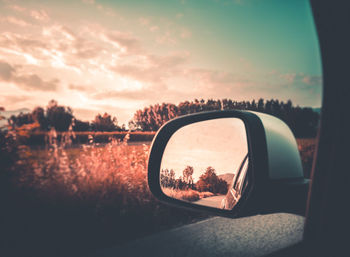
61 118
303 121
207 182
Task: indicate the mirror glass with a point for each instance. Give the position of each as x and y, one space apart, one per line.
206 163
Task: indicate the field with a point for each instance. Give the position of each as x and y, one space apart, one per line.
97 192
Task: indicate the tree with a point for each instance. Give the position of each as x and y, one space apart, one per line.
79 125
302 121
209 181
59 117
20 120
187 175
38 115
104 123
167 178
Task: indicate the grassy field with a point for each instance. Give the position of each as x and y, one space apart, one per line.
98 193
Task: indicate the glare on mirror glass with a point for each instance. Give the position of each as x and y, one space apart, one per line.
206 163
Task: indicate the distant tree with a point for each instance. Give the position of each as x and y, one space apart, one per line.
79 125
123 128
302 121
104 123
187 175
167 178
20 120
38 115
59 117
180 184
209 181
164 178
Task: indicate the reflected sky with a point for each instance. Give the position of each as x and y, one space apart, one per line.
219 143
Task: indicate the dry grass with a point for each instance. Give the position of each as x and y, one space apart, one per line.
99 194
307 148
186 195
83 137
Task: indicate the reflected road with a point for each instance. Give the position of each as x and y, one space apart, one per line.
214 201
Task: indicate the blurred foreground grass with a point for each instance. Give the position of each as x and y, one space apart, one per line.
90 196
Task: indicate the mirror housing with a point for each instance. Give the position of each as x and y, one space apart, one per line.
275 174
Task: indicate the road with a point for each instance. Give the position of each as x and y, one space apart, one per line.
214 201
250 236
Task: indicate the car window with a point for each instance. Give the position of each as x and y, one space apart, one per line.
86 84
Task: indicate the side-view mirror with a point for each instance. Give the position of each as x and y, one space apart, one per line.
228 163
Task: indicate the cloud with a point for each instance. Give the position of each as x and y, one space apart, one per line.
8 73
88 1
40 15
123 41
16 21
17 8
312 80
144 21
82 88
289 77
166 38
20 42
185 33
154 28
100 7
301 79
215 77
15 98
154 69
126 94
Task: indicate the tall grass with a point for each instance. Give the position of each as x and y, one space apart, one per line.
307 147
86 196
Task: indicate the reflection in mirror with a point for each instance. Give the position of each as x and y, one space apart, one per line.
206 163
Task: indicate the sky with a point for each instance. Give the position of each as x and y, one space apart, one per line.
101 56
222 145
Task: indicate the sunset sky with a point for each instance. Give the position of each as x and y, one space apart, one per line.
119 56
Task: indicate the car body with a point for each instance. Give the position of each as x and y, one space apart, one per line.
237 186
